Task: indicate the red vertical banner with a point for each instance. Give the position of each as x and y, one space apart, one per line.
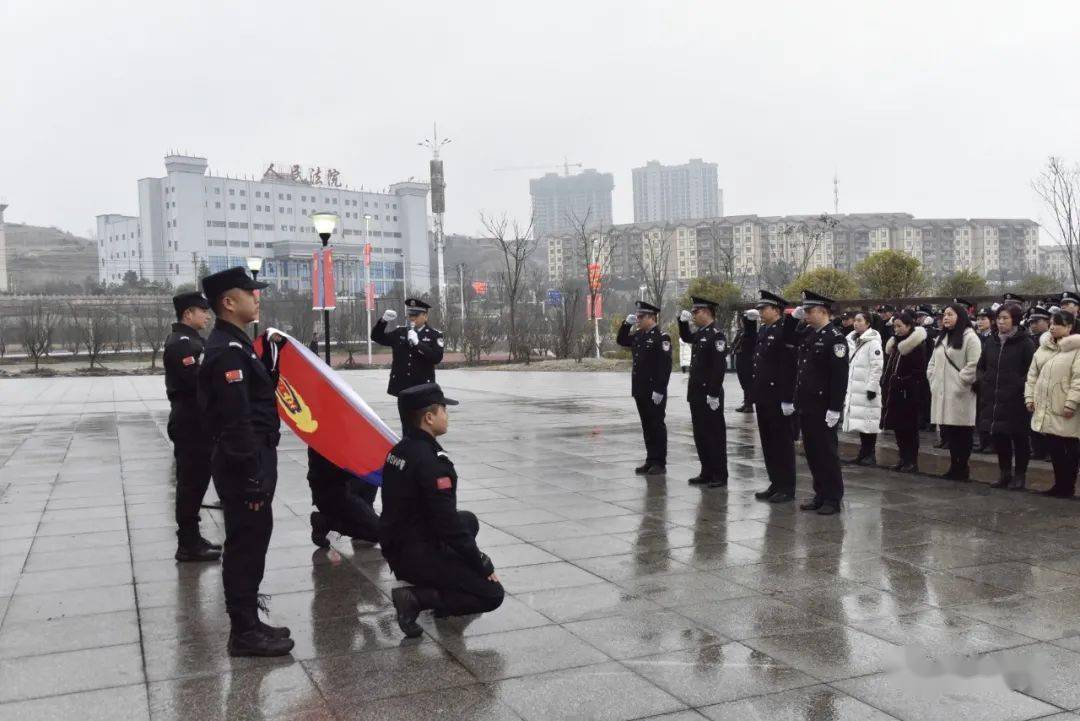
597 307
329 295
367 254
370 296
594 276
316 282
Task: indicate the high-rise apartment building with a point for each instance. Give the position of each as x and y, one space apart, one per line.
670 193
561 203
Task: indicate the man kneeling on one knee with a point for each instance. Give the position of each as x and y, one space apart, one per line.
424 538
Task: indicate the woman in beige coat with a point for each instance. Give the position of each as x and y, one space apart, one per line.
951 373
1052 394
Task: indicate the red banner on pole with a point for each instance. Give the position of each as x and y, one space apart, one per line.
367 254
329 296
370 296
594 276
316 282
597 307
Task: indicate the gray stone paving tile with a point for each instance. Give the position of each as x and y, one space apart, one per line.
644 634
270 692
522 652
477 703
583 602
70 579
831 653
1020 577
752 616
354 679
1042 670
941 632
815 703
512 615
127 702
545 576
35 638
85 602
68 672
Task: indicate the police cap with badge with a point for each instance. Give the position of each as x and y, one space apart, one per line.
697 303
644 308
217 284
886 308
1039 312
770 299
1070 296
966 304
183 301
415 306
422 396
1013 298
810 299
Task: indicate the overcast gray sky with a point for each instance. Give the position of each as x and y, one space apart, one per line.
937 108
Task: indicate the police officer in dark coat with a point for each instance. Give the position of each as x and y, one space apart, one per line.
651 350
1070 301
344 502
743 351
426 540
773 393
191 446
705 390
417 347
885 312
236 394
820 386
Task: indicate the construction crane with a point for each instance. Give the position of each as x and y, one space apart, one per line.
565 165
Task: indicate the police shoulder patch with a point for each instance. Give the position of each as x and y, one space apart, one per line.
840 349
666 345
720 345
440 342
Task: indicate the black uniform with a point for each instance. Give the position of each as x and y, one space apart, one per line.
820 386
343 499
708 363
412 365
236 393
191 444
651 351
424 538
774 384
743 349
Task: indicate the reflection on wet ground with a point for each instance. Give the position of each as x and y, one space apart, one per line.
628 597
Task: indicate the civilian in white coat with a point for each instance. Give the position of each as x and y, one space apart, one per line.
862 406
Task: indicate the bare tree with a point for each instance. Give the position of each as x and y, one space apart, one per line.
653 263
805 238
594 243
351 328
723 252
516 244
152 326
93 324
38 324
482 332
1059 187
566 320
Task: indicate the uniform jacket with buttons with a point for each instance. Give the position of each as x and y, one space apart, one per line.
822 372
419 502
708 360
181 356
236 394
412 365
651 351
774 362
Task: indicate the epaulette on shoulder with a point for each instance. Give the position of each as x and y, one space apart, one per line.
236 344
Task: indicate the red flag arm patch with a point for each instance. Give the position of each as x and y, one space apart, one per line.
234 376
443 483
188 360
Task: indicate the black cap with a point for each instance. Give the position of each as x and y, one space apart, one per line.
699 302
772 299
643 307
961 301
214 286
810 299
924 310
422 396
1039 312
1014 297
886 308
986 312
1070 296
414 306
183 301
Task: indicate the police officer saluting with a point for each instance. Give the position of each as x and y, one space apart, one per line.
705 390
773 393
820 387
236 393
426 540
417 347
191 447
651 350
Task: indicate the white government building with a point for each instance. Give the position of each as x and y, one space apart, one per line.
190 217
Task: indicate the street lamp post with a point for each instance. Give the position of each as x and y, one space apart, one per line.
369 303
254 264
438 201
643 288
325 223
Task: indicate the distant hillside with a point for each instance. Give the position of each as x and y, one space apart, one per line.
39 256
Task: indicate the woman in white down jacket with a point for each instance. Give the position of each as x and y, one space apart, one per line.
1052 395
862 406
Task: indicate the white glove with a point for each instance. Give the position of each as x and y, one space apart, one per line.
1054 309
928 321
686 316
414 339
389 315
713 402
787 408
752 314
657 398
799 313
631 319
831 417
995 307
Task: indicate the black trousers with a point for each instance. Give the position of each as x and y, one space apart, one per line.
346 504
710 437
867 444
1010 447
907 445
959 438
777 446
192 454
653 428
1065 456
744 371
247 531
462 590
1038 445
820 445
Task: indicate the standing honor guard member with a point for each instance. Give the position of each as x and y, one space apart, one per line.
1070 301
773 393
191 446
426 540
820 388
236 393
705 390
742 349
417 347
651 350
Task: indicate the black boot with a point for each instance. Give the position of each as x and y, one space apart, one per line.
210 544
246 638
1019 482
656 469
1004 481
320 526
641 470
766 494
190 546
272 631
409 601
700 479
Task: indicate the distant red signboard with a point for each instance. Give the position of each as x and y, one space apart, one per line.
480 287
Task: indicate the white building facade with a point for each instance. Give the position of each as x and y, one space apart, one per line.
189 218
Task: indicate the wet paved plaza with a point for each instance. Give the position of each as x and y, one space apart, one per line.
626 598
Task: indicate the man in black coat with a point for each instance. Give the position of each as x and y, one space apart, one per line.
886 312
773 393
191 445
426 540
705 390
743 350
417 347
820 387
651 351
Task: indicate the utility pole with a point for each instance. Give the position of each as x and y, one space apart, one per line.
461 289
835 193
438 207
